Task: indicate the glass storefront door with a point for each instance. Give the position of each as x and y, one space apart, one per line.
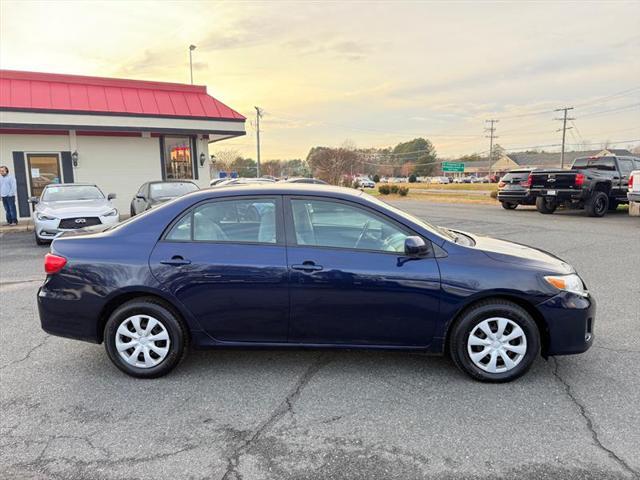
178 158
43 170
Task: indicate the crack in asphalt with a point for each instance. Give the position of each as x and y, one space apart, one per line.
28 355
285 407
616 350
589 423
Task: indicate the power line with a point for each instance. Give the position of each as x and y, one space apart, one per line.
605 99
618 109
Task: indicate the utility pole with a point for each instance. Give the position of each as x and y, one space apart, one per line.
191 49
564 129
492 130
258 115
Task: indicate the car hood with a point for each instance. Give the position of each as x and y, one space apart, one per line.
517 253
75 208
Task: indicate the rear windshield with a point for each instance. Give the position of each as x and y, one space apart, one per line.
515 176
171 189
71 192
600 163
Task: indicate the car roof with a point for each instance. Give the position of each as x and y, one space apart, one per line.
70 185
171 180
282 188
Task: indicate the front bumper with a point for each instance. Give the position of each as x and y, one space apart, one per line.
633 196
570 321
49 229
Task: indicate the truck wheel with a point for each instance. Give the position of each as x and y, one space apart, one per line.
509 205
597 205
546 205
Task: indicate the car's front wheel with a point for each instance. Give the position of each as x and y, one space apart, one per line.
494 341
145 338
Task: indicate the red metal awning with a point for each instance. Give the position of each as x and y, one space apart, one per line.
49 92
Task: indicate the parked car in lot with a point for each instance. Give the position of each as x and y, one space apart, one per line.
293 265
70 206
152 194
364 182
240 181
315 181
440 180
596 184
513 189
634 186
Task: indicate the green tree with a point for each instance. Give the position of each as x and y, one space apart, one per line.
419 151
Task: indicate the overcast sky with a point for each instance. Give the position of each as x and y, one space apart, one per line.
374 73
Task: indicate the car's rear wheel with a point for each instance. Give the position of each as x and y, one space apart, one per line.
546 205
145 338
509 205
597 205
494 341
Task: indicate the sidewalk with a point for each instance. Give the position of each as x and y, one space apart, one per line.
24 225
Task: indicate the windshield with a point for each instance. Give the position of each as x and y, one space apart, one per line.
71 192
448 234
171 189
601 163
515 176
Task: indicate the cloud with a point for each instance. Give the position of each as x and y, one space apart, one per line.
350 50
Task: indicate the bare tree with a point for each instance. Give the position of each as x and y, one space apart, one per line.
224 159
332 164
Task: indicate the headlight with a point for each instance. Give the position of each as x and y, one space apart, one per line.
42 216
569 283
111 213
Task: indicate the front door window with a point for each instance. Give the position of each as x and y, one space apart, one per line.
43 170
178 158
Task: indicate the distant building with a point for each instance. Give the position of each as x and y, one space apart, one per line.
511 161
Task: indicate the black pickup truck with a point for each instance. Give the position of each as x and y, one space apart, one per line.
596 184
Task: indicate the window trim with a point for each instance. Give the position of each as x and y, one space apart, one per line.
280 235
291 238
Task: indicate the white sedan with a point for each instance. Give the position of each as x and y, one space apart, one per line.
71 206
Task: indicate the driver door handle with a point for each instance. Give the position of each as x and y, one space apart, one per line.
307 267
176 260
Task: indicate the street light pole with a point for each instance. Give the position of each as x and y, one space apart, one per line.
191 49
258 115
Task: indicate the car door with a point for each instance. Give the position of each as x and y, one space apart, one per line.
626 167
225 260
350 282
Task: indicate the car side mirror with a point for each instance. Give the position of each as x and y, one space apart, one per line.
415 247
140 196
34 200
111 196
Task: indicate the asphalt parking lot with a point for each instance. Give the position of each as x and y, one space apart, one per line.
67 412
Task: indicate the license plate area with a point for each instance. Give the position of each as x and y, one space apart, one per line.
551 192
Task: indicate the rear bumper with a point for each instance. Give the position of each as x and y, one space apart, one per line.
562 195
633 196
521 198
54 309
570 322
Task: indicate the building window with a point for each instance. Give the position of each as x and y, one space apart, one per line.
43 170
178 158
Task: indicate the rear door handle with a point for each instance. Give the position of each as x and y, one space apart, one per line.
307 267
176 260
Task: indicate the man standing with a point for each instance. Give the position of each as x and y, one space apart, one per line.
8 194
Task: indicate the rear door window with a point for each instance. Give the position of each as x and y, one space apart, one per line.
626 166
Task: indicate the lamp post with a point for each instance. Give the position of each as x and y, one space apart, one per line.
191 49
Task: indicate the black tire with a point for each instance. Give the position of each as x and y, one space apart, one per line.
484 310
509 205
597 205
39 241
178 337
545 205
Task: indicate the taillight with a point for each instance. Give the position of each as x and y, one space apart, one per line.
53 263
528 182
631 182
579 179
501 184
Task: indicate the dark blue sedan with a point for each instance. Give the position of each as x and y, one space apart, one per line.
291 265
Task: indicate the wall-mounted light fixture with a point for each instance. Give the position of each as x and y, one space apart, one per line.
74 158
202 159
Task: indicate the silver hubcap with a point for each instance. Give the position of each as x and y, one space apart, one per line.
142 341
497 345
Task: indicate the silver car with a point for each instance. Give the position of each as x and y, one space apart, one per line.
71 206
